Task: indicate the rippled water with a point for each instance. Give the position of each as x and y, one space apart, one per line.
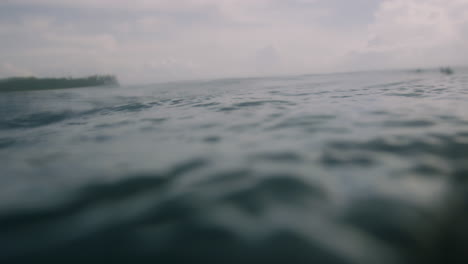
344 168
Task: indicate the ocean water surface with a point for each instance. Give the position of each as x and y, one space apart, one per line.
340 168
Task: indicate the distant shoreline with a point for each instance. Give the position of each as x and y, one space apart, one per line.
33 83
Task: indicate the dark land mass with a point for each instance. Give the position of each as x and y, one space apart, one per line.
446 70
33 83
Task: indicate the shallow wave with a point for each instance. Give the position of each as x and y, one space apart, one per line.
350 168
448 147
7 142
48 118
167 227
34 120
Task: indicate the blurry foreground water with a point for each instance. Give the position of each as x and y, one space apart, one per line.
344 168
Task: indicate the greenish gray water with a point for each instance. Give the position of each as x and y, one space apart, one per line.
343 168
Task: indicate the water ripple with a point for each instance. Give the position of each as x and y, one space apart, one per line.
35 120
339 168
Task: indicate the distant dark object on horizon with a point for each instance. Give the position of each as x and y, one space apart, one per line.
446 70
33 83
443 70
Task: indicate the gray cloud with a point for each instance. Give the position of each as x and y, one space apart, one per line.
416 33
146 41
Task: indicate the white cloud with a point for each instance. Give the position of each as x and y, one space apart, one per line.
416 33
171 46
8 70
145 4
184 39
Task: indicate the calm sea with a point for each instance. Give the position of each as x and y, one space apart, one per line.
341 168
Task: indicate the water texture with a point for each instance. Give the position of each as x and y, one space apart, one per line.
341 168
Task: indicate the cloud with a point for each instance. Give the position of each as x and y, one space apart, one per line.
8 70
145 41
416 33
184 39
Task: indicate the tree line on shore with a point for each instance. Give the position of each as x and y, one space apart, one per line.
34 83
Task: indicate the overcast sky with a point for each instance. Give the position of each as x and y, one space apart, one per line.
158 40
